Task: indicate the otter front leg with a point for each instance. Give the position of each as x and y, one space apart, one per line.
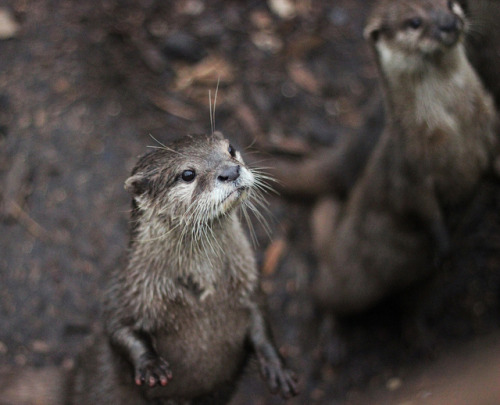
273 371
426 206
137 347
433 218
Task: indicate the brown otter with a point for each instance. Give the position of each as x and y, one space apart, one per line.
184 314
335 170
437 143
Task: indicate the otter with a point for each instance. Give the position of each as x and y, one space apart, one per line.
438 142
183 316
335 170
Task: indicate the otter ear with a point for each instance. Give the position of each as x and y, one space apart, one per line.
137 184
462 4
372 30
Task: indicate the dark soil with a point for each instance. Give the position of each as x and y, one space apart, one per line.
83 85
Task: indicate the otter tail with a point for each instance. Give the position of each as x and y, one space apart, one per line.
32 386
332 170
302 178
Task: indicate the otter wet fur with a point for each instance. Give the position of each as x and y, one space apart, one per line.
182 318
437 144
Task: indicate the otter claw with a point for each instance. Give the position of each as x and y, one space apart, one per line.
279 379
153 371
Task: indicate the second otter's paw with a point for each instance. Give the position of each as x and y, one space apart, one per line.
279 378
152 371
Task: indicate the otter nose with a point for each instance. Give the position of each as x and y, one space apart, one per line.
447 22
229 173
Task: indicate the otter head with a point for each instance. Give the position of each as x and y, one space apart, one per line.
196 179
404 31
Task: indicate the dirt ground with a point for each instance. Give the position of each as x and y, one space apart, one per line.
83 85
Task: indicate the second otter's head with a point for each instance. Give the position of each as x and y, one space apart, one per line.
403 30
194 179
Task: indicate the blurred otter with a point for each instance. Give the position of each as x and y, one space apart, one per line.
437 144
335 170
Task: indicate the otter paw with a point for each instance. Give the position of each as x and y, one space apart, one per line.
153 371
279 379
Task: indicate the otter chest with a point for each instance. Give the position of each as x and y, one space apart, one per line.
452 120
204 342
456 160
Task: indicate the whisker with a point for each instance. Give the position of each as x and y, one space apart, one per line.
163 146
258 215
158 142
264 186
215 103
210 111
262 203
253 235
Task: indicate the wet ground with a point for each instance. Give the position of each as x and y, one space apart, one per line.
84 84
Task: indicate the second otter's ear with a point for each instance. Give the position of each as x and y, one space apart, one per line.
372 30
137 184
463 4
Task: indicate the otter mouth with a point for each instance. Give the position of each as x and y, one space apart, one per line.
233 198
448 39
236 194
447 29
440 43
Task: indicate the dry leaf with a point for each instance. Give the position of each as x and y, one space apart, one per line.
248 119
174 107
267 41
304 78
207 72
272 256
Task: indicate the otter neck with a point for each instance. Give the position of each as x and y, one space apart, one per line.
186 248
420 93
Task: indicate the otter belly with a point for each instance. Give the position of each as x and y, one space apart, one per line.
459 161
206 349
373 254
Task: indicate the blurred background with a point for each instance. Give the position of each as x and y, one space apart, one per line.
83 85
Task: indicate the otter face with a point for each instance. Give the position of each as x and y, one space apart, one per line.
403 29
196 178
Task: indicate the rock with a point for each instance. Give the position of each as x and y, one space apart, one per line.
282 8
267 42
180 45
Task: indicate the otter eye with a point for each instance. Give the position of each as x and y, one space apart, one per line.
231 150
414 23
188 175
